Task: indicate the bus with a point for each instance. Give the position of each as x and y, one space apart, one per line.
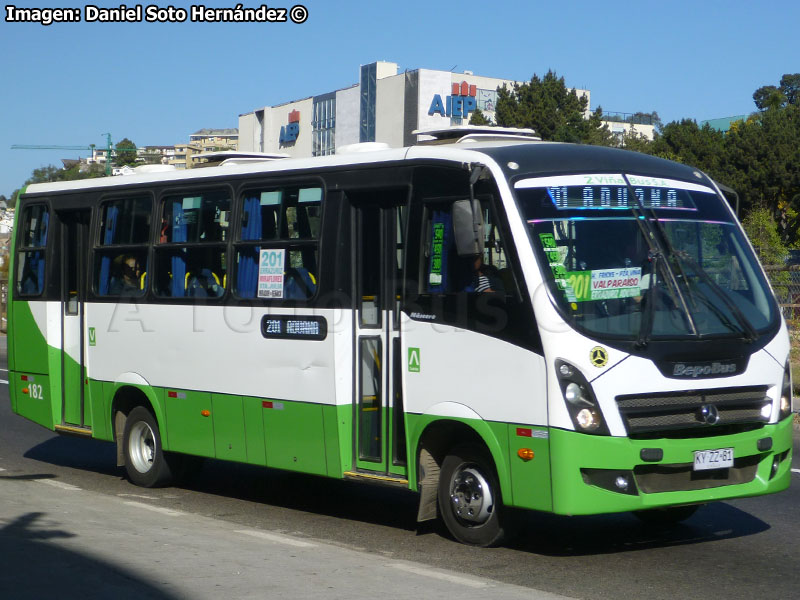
497 325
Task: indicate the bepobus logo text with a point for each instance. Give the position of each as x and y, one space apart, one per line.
682 370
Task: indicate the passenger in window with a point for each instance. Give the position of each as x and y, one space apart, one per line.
484 278
126 282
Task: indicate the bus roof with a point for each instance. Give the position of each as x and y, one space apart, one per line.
513 157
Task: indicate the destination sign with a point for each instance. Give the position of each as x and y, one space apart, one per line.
611 191
294 327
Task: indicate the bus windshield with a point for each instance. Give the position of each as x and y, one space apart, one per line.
636 257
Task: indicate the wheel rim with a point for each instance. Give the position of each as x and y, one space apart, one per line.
142 447
471 496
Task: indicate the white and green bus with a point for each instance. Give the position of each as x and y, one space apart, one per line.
496 325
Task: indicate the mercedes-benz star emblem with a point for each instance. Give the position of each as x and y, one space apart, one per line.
708 414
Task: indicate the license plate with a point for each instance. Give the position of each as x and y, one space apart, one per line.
721 458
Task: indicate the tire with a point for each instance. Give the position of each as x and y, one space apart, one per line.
469 498
667 516
145 462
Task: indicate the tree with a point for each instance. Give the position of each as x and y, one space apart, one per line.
553 111
768 96
633 140
790 86
763 233
762 230
478 118
688 143
53 173
762 162
125 153
788 94
645 118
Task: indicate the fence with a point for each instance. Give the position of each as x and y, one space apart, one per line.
785 280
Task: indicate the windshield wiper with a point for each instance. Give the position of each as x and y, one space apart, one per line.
745 326
656 255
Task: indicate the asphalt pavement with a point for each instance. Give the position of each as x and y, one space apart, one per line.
60 541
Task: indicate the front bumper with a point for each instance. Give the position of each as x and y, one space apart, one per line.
585 470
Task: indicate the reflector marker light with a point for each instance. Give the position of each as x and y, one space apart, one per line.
273 405
525 453
179 395
524 432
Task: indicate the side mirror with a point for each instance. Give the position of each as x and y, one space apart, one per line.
468 227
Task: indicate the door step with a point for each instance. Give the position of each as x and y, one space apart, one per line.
74 430
377 478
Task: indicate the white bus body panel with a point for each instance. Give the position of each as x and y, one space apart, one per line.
212 348
509 388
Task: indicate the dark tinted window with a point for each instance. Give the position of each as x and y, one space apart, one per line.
277 250
31 256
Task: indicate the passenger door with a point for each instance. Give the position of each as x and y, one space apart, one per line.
377 260
74 240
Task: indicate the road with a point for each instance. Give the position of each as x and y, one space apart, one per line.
71 525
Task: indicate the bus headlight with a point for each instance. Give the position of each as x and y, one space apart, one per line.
786 393
588 420
581 403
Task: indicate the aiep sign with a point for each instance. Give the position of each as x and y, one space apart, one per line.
290 132
459 104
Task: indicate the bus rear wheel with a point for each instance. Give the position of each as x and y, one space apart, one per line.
145 462
469 498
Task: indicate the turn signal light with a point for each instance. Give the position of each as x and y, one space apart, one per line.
525 453
24 390
205 413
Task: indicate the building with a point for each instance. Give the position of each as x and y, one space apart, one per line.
384 106
214 140
182 157
621 124
155 154
723 124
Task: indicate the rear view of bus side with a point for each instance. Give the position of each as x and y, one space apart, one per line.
496 325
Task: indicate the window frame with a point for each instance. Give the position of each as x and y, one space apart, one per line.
23 249
160 248
287 244
99 248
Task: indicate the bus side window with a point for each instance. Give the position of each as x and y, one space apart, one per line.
31 252
446 272
284 220
191 258
121 257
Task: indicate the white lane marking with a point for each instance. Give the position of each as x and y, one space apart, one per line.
137 496
59 484
4 370
278 539
450 578
3 381
159 509
2 469
795 470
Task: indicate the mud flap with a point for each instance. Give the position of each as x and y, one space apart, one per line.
119 430
429 486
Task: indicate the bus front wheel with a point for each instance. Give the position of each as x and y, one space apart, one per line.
469 498
145 462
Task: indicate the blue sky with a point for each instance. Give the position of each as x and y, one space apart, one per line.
155 83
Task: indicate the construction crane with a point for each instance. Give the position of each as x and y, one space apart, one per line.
89 147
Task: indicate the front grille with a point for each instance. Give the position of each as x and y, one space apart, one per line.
681 411
652 479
